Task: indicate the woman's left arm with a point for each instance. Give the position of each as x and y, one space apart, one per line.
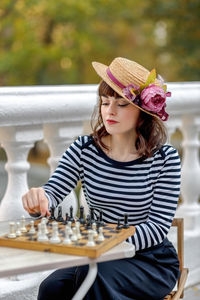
165 199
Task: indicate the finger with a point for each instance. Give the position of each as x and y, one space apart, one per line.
43 202
30 201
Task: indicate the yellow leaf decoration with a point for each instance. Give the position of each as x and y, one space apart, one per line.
151 78
164 88
133 91
142 86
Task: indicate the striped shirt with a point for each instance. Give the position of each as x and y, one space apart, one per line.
147 189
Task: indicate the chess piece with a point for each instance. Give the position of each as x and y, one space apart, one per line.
66 219
101 222
69 224
92 218
52 217
32 229
94 226
44 221
101 236
81 219
39 231
18 231
67 240
118 227
55 239
42 237
22 224
125 225
78 233
59 218
12 233
71 218
90 242
74 235
88 222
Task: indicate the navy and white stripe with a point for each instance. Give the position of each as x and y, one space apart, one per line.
148 190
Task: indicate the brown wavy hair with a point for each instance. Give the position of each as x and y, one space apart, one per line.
151 132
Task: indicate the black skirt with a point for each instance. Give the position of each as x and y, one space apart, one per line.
150 274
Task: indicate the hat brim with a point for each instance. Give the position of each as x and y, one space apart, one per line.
101 71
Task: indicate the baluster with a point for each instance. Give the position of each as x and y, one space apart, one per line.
172 125
17 142
190 187
59 137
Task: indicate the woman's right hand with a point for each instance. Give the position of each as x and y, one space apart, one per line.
36 202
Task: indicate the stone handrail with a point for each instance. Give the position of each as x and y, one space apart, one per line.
57 114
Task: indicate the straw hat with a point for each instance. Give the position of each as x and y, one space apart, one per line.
136 84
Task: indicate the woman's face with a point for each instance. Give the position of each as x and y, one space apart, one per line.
119 116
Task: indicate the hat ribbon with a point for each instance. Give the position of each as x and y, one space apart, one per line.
114 79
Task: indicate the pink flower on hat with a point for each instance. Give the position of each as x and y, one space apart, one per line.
153 99
131 91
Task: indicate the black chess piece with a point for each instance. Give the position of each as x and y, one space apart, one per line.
88 222
92 218
65 222
101 222
81 218
125 225
118 227
52 217
71 218
59 217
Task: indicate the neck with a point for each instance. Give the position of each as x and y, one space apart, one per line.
122 147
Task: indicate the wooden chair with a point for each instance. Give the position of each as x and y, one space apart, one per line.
177 294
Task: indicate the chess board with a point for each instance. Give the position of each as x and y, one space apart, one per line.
29 241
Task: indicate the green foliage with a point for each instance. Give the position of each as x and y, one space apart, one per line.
54 42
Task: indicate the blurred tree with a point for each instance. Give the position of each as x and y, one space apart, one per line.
54 42
180 50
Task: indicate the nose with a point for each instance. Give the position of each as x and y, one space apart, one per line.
112 108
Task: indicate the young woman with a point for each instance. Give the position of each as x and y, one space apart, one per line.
125 167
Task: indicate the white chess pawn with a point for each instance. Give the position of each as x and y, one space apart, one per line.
18 231
69 224
12 234
94 226
74 235
44 221
42 237
78 233
55 237
23 227
32 229
39 231
101 236
67 239
90 242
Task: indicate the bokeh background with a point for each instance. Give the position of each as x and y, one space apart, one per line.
48 42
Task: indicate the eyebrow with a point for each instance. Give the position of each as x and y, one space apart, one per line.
117 99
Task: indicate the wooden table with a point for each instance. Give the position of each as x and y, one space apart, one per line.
18 261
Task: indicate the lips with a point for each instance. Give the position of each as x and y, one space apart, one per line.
110 122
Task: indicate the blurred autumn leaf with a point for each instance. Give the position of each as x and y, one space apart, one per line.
54 42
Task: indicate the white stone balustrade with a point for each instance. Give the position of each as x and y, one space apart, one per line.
57 113
28 114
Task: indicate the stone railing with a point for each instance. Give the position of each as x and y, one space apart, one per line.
57 114
29 114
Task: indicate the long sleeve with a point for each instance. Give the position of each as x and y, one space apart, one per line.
66 175
165 198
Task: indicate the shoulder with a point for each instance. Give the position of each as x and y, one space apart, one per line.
83 141
167 153
168 150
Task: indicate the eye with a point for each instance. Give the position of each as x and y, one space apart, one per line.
104 103
123 105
